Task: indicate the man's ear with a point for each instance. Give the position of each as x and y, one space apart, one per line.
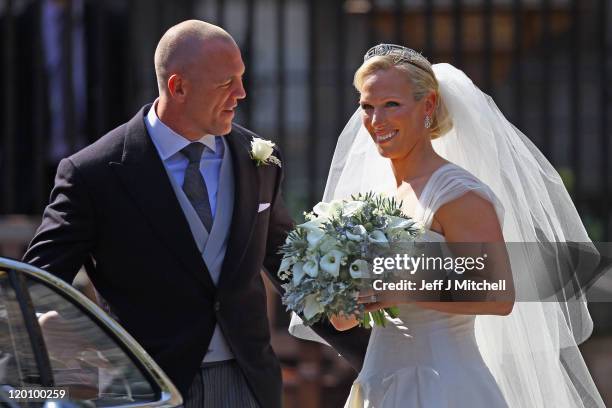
176 86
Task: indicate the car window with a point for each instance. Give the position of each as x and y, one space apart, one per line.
18 366
83 357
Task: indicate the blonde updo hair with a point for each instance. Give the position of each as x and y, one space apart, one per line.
421 78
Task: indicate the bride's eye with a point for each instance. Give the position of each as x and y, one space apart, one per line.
392 103
366 106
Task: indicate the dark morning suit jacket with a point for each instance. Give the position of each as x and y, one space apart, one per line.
113 201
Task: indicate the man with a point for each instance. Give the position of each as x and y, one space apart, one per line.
180 220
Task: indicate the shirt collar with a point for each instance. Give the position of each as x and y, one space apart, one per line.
167 141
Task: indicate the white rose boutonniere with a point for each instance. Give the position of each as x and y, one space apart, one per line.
261 152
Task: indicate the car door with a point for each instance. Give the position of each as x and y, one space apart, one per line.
60 349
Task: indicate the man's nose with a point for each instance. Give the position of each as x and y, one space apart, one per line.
240 92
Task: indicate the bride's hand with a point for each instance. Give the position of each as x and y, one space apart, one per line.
373 301
343 322
376 300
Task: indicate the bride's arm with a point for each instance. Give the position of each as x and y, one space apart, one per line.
468 220
472 219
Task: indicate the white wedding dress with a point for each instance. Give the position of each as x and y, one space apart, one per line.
429 359
425 358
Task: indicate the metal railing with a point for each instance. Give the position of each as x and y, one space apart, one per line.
545 62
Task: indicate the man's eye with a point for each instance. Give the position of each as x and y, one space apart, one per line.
392 103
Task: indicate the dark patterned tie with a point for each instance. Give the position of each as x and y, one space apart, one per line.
194 185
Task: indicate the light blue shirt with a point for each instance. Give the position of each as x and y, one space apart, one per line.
169 145
214 166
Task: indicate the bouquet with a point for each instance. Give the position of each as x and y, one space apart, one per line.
327 260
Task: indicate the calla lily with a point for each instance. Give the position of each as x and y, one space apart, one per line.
378 237
359 269
330 262
327 244
352 207
311 268
314 236
356 233
321 208
399 223
298 273
313 230
312 307
327 209
313 224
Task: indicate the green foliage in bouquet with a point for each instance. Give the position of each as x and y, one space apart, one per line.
327 260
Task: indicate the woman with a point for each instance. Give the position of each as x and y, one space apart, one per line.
469 176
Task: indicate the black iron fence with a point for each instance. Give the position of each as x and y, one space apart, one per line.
545 62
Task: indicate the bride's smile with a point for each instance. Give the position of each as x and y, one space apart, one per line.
382 138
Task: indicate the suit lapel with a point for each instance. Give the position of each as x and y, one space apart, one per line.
144 176
246 198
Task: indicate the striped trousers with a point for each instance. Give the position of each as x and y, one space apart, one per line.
220 385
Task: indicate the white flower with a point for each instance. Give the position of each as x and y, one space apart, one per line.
314 233
404 230
298 273
398 223
359 269
261 149
378 237
315 223
312 307
328 210
330 262
311 268
261 152
357 233
328 243
351 207
314 236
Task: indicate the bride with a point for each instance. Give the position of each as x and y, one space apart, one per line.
462 170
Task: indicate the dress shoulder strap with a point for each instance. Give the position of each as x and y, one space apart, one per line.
448 183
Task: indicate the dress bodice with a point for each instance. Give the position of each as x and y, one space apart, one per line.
425 358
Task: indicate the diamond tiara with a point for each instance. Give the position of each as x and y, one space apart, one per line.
399 54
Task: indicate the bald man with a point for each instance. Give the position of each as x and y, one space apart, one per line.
180 220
